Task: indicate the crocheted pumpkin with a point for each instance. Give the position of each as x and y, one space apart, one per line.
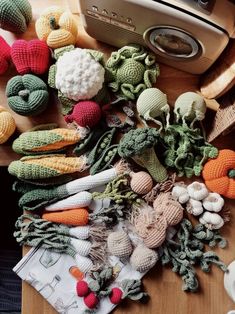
7 125
15 15
5 55
57 27
27 95
30 56
219 173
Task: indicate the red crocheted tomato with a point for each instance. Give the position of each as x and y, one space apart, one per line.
5 55
30 56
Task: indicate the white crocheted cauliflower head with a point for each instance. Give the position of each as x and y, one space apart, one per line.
79 76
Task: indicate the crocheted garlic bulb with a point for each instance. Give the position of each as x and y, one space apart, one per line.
213 202
78 75
143 258
194 207
190 106
197 191
141 182
7 125
211 220
180 193
119 244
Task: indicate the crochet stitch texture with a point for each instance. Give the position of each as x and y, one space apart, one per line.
7 125
5 55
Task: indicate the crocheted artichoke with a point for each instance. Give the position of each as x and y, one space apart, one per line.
139 145
78 75
131 70
27 95
15 15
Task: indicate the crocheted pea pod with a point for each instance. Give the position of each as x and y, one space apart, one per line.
73 217
105 160
43 167
103 143
79 200
46 141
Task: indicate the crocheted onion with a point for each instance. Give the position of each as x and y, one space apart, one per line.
141 182
119 244
143 258
78 75
7 125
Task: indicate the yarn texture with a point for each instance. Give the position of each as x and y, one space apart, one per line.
7 125
143 258
141 182
119 244
30 56
5 55
79 76
73 217
57 27
27 95
15 15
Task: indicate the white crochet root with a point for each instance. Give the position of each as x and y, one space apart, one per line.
84 264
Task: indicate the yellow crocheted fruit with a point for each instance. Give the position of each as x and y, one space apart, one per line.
57 27
7 125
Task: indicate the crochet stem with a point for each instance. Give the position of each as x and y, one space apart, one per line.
53 24
24 94
231 173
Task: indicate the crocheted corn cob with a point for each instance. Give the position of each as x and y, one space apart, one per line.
5 55
73 217
15 15
7 125
30 56
46 141
44 167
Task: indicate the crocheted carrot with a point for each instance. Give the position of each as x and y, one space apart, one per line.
74 217
44 167
45 141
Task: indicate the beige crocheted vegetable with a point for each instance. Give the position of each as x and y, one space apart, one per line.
143 258
119 244
141 182
7 125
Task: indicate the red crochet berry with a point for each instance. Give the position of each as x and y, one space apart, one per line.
115 296
5 55
82 288
91 300
85 114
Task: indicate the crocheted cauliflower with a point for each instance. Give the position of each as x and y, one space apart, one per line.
78 75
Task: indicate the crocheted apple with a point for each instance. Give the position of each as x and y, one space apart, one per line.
30 56
5 55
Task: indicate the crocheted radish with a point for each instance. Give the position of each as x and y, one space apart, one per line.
82 288
91 300
116 296
79 200
85 114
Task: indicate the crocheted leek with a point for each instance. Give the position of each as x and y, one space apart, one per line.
139 145
130 70
188 249
44 167
46 141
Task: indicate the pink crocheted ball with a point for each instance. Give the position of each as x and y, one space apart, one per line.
91 300
85 114
115 296
82 288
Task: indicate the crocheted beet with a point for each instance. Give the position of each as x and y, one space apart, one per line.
116 296
85 114
30 57
5 55
82 288
91 300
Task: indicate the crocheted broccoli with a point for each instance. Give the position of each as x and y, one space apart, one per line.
139 145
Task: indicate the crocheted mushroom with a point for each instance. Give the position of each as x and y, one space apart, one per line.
7 125
130 70
78 75
151 104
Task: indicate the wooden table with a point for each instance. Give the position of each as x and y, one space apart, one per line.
163 286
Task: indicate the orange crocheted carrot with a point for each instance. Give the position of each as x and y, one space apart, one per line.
74 217
219 173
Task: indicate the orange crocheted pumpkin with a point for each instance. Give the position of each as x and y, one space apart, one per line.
56 27
219 173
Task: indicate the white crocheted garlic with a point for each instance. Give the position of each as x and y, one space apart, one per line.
194 207
213 202
180 193
78 75
197 191
211 220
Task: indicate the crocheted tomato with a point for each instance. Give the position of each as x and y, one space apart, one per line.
219 173
57 27
27 95
30 56
15 15
5 55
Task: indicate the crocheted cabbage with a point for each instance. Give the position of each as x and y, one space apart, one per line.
79 75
